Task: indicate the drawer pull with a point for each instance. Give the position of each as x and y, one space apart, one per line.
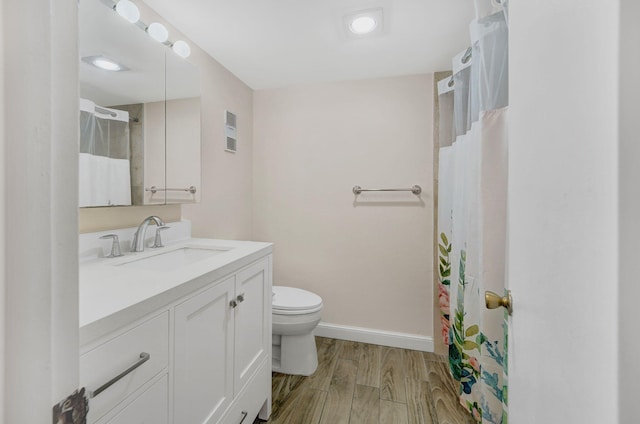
244 415
144 357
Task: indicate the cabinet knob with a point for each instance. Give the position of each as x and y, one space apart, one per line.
240 298
233 303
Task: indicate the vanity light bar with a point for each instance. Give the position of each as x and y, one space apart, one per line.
130 12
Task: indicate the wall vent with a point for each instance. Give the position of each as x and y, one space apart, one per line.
230 131
231 145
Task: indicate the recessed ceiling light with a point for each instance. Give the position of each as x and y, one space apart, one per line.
363 25
105 63
364 22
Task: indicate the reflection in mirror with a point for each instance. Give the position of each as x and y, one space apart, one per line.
182 130
140 125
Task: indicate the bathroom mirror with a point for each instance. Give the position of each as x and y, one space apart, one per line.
140 125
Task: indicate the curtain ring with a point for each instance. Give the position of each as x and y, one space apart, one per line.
467 56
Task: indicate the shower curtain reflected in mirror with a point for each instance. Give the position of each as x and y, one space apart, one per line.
472 190
104 166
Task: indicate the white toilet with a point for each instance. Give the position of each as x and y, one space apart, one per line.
296 313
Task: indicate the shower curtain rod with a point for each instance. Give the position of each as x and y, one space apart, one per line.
105 111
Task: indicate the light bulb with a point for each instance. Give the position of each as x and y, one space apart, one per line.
106 64
181 48
158 32
128 10
363 25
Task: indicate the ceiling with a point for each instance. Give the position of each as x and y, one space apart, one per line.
275 43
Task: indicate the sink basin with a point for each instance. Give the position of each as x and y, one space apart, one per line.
166 260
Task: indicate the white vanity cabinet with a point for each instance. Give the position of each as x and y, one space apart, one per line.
208 348
222 343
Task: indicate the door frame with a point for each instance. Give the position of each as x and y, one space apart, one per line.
39 192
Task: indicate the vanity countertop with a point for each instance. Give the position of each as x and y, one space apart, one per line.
115 291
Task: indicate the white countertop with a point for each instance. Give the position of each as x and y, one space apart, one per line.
113 295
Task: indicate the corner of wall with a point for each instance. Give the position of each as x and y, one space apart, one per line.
439 345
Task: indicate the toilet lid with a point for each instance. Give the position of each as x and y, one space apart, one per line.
293 299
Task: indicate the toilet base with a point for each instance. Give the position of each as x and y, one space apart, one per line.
296 355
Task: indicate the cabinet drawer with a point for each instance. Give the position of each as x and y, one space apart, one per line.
150 408
108 360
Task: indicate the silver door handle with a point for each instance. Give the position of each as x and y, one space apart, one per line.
144 357
244 415
240 298
233 303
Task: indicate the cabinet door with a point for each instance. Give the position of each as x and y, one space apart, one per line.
203 385
252 321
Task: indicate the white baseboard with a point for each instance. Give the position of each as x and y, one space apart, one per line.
373 336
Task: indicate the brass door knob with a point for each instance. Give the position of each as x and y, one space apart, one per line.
494 301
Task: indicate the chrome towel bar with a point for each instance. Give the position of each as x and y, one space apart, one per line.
416 189
154 189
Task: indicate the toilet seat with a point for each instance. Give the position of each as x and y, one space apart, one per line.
294 301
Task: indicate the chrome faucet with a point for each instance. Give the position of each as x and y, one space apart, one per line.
138 238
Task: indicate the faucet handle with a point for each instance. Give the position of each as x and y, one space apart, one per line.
115 246
158 240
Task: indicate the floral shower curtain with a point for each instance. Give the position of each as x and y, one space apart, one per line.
472 188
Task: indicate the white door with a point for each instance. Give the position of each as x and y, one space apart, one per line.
252 335
562 246
203 363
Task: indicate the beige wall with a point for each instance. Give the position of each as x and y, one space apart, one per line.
183 149
155 154
101 219
369 258
225 208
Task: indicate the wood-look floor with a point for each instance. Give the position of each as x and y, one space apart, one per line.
358 383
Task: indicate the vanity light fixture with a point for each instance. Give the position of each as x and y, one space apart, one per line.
158 32
128 10
181 48
364 22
